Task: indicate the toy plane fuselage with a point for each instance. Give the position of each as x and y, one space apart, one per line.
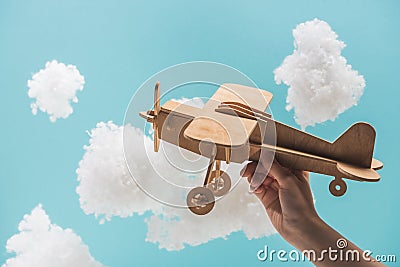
238 139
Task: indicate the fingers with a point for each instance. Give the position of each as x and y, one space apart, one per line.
283 176
267 182
268 191
277 177
274 185
248 170
256 174
269 195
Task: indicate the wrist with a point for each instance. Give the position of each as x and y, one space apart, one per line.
310 233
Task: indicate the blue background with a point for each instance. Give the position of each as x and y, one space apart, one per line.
117 45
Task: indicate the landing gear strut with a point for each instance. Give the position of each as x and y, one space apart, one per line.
201 200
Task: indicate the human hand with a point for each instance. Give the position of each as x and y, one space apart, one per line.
288 201
287 198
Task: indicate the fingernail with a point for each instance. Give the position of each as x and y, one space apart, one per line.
251 189
258 190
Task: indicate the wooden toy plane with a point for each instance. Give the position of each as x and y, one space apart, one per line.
227 129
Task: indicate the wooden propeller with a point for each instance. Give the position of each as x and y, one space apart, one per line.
155 119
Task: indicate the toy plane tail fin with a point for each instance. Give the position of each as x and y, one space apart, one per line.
356 145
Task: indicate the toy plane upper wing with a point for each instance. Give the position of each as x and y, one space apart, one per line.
227 130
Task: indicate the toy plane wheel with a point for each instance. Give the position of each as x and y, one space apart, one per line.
220 184
200 200
337 187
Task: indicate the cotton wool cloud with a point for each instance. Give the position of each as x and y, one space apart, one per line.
43 244
54 88
238 211
321 83
106 189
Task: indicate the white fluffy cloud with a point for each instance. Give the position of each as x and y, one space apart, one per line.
53 89
321 83
106 189
237 211
43 244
